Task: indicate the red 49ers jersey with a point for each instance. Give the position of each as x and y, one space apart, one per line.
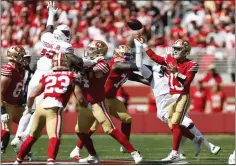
57 88
92 87
187 68
115 80
14 91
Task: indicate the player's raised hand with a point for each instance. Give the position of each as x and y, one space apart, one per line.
51 8
140 39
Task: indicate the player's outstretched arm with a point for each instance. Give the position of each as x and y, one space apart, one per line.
124 67
36 92
51 13
139 78
157 58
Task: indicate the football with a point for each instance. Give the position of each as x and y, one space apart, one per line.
134 24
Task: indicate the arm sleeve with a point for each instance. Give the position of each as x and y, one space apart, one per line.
157 58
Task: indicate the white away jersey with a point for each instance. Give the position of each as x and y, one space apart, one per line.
49 48
159 83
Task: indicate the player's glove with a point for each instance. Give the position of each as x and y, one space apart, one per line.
4 114
141 41
51 9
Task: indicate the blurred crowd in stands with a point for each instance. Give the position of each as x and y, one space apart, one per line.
203 23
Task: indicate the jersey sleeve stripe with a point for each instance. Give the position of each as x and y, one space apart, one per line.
105 67
100 68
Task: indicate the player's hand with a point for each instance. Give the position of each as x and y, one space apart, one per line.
4 114
173 69
97 59
137 43
140 39
51 8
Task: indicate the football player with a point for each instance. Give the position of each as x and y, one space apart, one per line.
157 76
12 75
181 72
53 41
57 87
93 82
120 71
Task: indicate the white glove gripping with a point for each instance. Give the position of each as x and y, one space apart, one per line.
5 118
4 114
88 62
51 12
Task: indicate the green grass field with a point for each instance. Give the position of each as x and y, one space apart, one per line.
152 147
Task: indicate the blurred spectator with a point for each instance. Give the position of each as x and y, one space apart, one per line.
123 96
198 97
212 77
216 100
25 21
151 103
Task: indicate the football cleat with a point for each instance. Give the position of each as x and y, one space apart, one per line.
17 162
182 156
197 144
90 159
173 157
123 150
215 150
231 160
16 143
75 154
136 156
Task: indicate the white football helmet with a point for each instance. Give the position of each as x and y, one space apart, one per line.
62 33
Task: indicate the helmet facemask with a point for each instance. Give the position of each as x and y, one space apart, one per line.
96 49
124 51
181 49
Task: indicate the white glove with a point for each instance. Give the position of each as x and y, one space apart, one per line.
141 41
137 43
5 117
51 9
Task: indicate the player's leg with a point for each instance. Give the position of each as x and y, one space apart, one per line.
85 121
26 121
118 110
6 128
16 118
54 123
188 123
101 113
35 132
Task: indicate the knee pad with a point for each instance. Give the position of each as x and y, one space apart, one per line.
187 122
94 127
176 118
107 128
127 119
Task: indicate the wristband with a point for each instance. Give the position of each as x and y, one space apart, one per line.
3 109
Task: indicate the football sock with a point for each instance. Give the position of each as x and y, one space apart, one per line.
181 145
53 147
176 136
121 138
196 132
85 138
25 147
80 143
185 132
5 138
126 128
